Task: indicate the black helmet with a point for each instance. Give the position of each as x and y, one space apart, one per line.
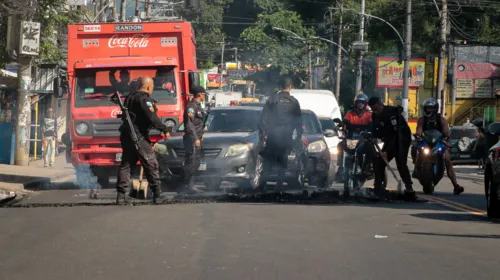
361 98
431 107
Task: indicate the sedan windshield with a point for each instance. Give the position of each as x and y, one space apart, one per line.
94 86
233 120
310 124
327 124
459 133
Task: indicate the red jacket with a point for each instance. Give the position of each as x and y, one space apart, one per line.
352 118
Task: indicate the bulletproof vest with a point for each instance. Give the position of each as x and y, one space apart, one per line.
283 105
433 124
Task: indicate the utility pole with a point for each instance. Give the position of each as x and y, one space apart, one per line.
331 65
442 54
23 115
222 64
113 11
407 55
359 74
123 12
453 57
101 10
310 66
148 8
136 8
339 53
23 112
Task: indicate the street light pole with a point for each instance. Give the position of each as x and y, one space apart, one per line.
407 55
339 55
359 74
222 64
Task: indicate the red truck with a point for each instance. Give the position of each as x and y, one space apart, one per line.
107 57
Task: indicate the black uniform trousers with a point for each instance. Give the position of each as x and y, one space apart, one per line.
130 156
275 153
192 160
400 153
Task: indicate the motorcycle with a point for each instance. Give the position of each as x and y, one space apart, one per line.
430 152
358 146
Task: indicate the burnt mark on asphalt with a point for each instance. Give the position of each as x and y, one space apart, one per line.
304 198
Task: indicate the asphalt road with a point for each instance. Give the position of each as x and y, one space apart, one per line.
444 238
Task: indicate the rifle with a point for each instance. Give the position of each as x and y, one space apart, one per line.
116 98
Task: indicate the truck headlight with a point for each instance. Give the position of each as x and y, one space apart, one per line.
351 144
316 147
238 149
82 128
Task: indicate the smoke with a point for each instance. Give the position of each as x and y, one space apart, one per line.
85 178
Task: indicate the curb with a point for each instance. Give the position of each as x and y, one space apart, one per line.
34 183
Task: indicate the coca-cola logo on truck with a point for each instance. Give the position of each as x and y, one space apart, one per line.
136 41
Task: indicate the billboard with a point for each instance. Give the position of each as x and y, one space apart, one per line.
477 80
390 72
214 80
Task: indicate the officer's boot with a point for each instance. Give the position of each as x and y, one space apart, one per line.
190 186
122 199
156 194
409 193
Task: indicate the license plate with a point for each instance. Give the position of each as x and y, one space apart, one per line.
203 166
118 157
464 156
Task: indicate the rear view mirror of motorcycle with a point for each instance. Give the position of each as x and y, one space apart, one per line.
329 133
337 121
494 129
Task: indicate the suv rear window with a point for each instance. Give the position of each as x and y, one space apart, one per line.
459 133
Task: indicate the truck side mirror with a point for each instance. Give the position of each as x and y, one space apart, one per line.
57 87
194 80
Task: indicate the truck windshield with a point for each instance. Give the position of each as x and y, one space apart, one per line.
94 86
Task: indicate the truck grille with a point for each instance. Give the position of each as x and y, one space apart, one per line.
106 127
206 152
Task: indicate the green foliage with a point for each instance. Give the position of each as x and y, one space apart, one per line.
207 22
52 15
278 48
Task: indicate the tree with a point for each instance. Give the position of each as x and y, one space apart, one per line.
207 23
53 17
281 50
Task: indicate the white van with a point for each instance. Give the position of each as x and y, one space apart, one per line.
324 104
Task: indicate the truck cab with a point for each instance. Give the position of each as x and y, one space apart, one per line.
106 58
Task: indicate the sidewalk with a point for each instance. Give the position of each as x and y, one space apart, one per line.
34 176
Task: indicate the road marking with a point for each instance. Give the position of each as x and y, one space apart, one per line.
448 203
455 205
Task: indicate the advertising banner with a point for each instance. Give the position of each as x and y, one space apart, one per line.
214 80
390 73
477 80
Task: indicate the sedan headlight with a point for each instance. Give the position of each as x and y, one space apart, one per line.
82 128
351 144
316 147
170 123
238 149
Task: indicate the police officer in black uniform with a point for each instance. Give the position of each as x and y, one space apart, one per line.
280 116
142 110
194 117
390 125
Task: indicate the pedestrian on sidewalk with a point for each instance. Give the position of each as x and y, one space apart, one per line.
49 138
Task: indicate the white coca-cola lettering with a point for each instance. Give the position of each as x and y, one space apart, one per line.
115 113
136 41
